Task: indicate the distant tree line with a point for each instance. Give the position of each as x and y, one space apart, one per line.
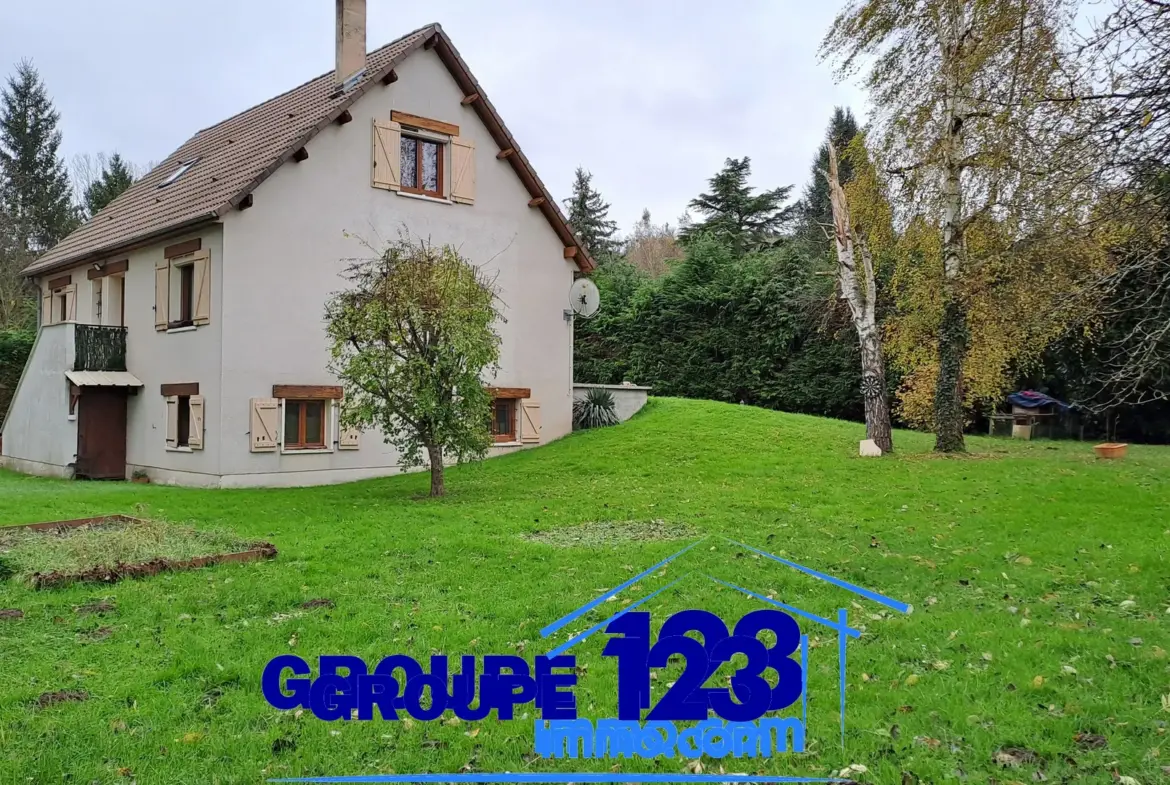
1018 213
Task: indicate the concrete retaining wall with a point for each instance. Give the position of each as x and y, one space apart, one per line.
628 399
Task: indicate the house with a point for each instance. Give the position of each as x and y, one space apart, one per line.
182 333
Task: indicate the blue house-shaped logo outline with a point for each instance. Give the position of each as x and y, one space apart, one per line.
840 626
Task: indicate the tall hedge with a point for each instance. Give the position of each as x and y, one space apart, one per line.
15 347
760 329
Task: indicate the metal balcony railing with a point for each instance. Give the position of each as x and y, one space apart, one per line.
99 348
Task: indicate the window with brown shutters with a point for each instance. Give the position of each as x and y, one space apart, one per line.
182 288
59 301
184 416
425 157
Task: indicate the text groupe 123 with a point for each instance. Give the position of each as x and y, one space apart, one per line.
346 689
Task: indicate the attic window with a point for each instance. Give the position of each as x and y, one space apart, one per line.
175 175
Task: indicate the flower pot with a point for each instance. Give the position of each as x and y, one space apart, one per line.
1110 450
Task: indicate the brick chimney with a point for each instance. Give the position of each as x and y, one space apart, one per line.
351 38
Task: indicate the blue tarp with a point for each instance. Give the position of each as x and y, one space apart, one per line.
1030 399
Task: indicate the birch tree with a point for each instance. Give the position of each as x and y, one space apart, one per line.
959 121
860 293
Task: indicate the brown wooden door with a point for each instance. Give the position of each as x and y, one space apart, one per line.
101 434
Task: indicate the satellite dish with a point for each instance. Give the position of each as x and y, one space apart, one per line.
584 299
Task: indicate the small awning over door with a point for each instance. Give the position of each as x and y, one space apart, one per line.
103 378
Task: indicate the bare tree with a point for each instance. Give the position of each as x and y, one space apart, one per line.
1123 79
650 246
860 292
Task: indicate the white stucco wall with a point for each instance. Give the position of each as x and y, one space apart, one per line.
286 252
39 435
159 358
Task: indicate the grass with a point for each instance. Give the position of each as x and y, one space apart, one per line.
1038 576
25 552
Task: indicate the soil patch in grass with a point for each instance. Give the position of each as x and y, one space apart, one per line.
112 549
614 533
61 696
11 613
323 602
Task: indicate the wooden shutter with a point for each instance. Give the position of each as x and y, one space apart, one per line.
71 302
529 421
265 413
172 421
387 159
349 439
195 431
162 292
462 170
202 278
47 307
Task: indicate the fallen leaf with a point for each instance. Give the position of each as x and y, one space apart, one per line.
911 680
191 738
125 772
987 656
473 733
695 766
1090 741
927 741
1038 682
851 769
1014 756
1070 670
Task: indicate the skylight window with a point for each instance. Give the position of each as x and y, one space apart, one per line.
175 175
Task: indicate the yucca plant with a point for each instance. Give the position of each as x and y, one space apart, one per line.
595 410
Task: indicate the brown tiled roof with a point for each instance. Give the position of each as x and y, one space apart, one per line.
238 154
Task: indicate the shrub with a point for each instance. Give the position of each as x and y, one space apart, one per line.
15 347
595 410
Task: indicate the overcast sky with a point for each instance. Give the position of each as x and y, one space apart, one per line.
649 96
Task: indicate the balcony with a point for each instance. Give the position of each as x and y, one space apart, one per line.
98 348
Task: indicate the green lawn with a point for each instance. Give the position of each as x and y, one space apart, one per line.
1039 578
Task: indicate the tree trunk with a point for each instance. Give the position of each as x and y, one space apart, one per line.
952 335
948 392
435 454
873 387
862 309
